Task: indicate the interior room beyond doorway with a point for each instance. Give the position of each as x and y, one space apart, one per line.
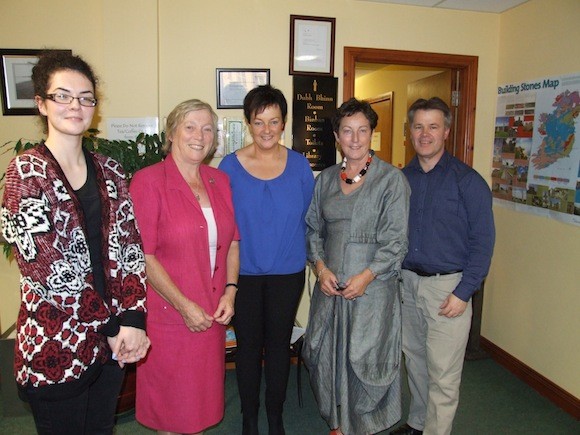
388 88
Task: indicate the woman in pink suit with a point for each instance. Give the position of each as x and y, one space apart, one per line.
185 213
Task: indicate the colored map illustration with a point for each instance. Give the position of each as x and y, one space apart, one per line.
558 130
536 153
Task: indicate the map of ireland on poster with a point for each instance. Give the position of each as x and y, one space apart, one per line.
536 159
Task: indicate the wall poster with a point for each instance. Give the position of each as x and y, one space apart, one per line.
536 154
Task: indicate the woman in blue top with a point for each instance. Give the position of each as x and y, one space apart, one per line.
272 187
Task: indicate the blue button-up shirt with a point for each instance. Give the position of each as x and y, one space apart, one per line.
450 223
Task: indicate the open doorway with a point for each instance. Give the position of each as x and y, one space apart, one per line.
399 86
383 135
462 73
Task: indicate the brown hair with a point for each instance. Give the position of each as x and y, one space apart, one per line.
434 103
352 107
53 61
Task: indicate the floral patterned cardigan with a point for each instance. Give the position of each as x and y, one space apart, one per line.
63 321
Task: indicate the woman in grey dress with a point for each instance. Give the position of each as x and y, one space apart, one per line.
357 239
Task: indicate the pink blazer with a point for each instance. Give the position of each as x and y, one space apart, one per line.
174 229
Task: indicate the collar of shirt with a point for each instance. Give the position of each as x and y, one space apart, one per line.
443 162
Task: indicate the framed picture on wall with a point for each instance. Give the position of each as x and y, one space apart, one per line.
232 85
16 76
311 45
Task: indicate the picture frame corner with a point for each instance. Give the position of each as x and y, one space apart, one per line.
17 93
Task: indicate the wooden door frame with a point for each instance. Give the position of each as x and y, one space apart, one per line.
378 99
466 67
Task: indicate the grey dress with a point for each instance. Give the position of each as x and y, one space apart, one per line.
353 348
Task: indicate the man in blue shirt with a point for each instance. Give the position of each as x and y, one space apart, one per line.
451 238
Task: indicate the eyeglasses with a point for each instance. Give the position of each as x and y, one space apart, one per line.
67 99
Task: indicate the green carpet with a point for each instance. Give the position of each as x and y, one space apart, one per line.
493 401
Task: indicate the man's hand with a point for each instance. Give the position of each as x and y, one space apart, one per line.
452 306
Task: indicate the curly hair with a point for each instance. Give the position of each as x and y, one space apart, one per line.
53 61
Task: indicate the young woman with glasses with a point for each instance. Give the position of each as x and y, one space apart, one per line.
68 214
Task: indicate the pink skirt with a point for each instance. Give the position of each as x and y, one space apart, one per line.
180 385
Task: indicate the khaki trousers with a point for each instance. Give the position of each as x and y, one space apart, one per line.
434 348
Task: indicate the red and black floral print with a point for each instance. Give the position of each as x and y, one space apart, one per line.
51 319
52 361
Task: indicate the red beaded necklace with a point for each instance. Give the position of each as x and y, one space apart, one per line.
358 176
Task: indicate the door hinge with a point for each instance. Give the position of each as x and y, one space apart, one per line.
455 95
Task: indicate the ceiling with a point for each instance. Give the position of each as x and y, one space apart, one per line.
493 6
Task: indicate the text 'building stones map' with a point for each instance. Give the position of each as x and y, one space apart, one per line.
536 158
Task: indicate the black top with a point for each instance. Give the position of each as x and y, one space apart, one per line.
89 198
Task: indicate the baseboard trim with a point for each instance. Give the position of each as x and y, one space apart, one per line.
541 384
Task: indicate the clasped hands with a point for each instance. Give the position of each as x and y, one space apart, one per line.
198 320
353 288
129 345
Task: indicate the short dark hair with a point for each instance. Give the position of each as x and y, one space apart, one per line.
352 107
434 103
258 99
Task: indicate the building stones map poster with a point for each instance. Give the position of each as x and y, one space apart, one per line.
536 156
313 105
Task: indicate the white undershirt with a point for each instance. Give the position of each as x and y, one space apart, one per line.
211 235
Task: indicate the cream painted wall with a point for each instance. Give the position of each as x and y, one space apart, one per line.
152 54
130 58
532 296
392 80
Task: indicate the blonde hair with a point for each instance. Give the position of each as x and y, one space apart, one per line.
177 116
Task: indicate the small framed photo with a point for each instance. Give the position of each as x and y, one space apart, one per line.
233 84
16 75
311 45
235 135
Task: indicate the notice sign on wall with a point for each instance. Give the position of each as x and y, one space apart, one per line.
314 104
130 128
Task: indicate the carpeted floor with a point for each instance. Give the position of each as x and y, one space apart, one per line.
493 401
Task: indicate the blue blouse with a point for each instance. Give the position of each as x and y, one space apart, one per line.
270 216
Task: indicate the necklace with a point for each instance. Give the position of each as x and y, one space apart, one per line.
194 188
358 176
